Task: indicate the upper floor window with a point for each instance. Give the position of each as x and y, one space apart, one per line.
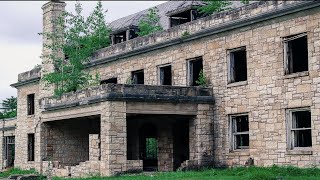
239 131
299 128
194 67
30 104
296 53
237 65
137 77
183 17
165 75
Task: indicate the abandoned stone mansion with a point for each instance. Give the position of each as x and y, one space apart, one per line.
261 105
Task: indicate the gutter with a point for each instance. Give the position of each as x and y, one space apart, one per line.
290 9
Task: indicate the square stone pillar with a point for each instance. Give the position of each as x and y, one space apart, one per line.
113 138
94 147
201 136
165 148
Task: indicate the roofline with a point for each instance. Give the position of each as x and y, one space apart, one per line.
210 31
22 83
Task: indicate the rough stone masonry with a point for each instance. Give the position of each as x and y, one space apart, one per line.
262 62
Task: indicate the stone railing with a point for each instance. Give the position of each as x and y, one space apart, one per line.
124 92
32 74
194 27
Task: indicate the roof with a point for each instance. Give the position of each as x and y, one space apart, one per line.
165 9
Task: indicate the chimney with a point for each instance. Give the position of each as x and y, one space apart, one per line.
51 11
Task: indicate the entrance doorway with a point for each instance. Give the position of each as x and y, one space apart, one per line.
149 147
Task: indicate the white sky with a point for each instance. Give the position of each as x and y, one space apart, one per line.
20 23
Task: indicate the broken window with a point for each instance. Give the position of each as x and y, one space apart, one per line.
240 132
183 17
120 37
138 77
194 68
30 147
237 66
109 81
30 102
296 53
300 128
165 75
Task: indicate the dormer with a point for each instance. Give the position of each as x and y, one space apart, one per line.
123 34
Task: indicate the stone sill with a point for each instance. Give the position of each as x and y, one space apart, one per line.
235 84
239 152
30 116
298 74
306 151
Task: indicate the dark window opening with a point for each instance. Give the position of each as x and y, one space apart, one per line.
240 131
133 33
165 75
195 66
109 81
238 66
138 77
301 129
296 53
183 17
120 37
30 102
30 147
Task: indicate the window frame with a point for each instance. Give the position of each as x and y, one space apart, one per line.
290 130
230 75
233 134
286 61
159 74
190 69
133 76
31 104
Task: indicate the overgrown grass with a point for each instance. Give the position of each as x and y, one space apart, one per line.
252 173
16 171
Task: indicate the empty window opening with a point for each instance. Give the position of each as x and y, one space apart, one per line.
138 77
9 150
165 75
133 33
296 54
238 65
120 37
30 147
195 66
183 17
300 128
30 102
240 132
109 81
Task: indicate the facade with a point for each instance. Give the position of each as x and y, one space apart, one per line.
261 106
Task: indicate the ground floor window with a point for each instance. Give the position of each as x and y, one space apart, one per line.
299 128
30 147
239 131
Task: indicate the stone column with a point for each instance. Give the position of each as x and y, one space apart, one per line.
201 136
94 149
113 138
165 148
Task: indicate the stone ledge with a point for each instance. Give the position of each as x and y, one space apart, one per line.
135 93
299 152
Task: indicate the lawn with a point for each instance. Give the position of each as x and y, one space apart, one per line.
252 173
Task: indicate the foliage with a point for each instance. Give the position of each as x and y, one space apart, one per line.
202 80
217 6
10 108
17 171
250 173
77 39
150 23
129 80
185 34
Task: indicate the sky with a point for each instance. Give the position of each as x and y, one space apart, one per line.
20 23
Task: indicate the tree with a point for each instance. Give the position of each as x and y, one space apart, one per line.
217 6
150 23
10 108
77 38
